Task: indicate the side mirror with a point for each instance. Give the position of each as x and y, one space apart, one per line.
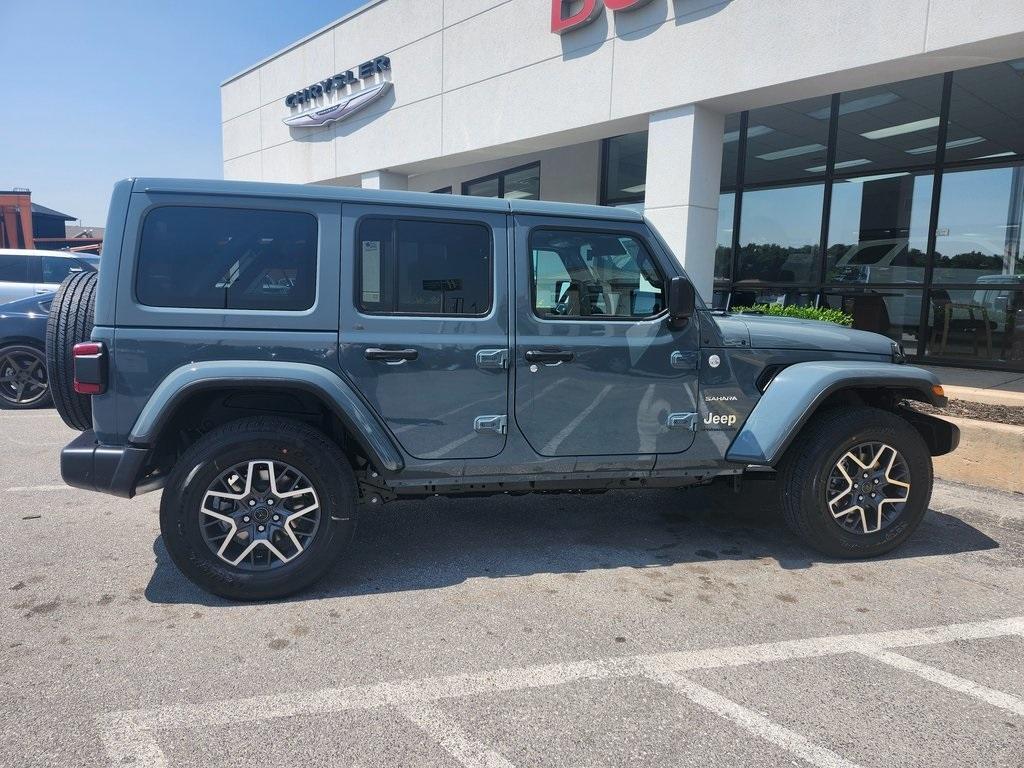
682 300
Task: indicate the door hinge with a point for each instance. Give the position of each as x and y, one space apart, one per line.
683 420
492 358
496 424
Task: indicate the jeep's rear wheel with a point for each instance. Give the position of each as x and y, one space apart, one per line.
856 482
71 320
258 509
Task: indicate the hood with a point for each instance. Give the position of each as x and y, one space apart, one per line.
792 333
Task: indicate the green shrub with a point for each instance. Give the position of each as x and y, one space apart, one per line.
805 313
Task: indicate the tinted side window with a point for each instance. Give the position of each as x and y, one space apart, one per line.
415 267
593 274
55 269
14 269
227 258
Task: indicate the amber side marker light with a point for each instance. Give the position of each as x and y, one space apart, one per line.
938 390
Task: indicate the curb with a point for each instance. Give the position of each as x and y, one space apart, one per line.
984 395
988 455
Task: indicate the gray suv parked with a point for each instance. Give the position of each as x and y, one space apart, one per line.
278 357
32 273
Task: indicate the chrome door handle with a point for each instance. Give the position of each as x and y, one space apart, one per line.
391 355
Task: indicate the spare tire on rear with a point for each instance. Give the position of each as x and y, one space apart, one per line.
71 319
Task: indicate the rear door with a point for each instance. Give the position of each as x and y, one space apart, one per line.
55 269
599 370
15 277
424 330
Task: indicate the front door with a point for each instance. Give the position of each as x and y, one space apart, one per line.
424 330
599 370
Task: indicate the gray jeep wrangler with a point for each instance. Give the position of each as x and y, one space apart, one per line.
278 357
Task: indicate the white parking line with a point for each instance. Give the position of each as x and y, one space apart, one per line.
31 488
449 736
120 728
1006 701
756 723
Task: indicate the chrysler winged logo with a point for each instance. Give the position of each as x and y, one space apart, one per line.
341 110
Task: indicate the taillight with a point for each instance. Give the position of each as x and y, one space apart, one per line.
90 368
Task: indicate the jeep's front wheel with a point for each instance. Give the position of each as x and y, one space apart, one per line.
258 509
856 482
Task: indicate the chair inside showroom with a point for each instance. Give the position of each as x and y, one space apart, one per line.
958 318
871 314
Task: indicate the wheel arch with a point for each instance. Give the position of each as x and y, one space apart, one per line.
26 341
803 389
189 385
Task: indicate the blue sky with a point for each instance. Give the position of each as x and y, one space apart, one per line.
97 91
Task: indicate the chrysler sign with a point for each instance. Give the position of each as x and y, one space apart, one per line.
346 106
565 19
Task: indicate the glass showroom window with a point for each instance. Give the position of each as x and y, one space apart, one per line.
891 126
895 313
624 166
982 324
986 112
723 248
787 142
978 232
878 229
782 296
516 184
779 234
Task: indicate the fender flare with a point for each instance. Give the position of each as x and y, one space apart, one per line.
797 391
339 396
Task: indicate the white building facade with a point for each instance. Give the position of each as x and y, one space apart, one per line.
859 154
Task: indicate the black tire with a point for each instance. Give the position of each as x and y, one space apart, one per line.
804 476
310 452
72 314
23 381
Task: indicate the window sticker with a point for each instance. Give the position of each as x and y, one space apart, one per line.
371 271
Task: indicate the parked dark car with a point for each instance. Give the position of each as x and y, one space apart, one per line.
23 381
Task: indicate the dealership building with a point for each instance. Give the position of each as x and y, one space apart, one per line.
866 155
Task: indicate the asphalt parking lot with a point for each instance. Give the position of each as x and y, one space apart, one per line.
657 628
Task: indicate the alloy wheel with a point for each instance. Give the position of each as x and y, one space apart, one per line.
260 514
868 488
22 376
